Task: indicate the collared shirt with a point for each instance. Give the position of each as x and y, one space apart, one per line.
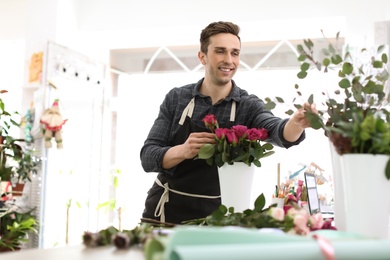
250 112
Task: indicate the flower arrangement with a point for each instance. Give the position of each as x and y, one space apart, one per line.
235 144
356 117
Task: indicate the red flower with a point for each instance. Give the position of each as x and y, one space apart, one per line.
254 134
263 134
220 133
231 137
210 122
235 144
240 130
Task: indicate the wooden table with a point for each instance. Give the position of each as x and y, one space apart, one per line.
79 252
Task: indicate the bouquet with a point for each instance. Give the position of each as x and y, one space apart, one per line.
235 144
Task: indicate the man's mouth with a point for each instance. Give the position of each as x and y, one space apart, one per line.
226 69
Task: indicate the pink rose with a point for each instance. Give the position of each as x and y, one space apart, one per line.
317 221
257 134
277 213
210 121
240 130
231 137
253 134
220 133
263 134
300 222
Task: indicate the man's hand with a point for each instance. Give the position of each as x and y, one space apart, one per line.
299 116
298 122
188 150
195 141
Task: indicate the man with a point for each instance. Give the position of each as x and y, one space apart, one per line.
185 188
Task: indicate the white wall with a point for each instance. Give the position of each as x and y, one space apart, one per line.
155 23
95 26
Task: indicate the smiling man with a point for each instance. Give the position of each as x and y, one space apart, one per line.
185 188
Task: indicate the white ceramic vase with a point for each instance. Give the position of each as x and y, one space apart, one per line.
367 194
339 204
236 185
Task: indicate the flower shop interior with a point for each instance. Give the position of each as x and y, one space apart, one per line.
106 64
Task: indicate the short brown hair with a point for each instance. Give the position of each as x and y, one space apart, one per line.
216 28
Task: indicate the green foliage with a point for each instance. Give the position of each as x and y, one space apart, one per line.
13 150
15 227
258 217
356 117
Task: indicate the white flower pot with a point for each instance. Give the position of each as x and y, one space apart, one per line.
367 194
236 185
339 204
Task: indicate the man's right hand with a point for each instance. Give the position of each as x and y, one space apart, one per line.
188 150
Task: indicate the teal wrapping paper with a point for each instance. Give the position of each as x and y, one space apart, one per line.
189 243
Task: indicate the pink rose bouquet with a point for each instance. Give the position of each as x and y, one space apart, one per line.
235 144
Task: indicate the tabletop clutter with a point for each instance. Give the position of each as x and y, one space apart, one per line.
292 190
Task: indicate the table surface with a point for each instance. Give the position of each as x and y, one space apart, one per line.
79 252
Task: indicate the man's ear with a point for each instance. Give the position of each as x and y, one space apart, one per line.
201 57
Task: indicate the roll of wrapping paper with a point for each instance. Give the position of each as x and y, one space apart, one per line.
243 243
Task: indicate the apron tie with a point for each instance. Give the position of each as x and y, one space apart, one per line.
187 111
160 208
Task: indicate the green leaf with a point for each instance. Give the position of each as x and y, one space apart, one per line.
331 49
305 66
268 146
298 106
270 105
289 112
381 48
326 62
302 74
259 203
302 57
384 58
344 83
387 172
311 99
206 151
336 59
325 52
347 68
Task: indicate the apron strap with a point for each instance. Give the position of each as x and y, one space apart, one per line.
160 208
187 111
233 111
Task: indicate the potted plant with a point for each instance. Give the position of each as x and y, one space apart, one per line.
17 160
356 119
15 225
235 150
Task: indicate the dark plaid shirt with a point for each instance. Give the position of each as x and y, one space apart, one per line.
250 112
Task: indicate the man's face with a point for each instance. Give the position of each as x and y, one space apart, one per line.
222 59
